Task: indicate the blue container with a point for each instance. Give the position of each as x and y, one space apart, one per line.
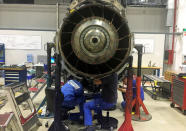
2 54
30 58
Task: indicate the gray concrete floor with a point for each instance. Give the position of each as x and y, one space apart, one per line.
164 118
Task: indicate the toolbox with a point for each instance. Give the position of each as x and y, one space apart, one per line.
179 93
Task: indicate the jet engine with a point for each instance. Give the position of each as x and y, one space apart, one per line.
94 39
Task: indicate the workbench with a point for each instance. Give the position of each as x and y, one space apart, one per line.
148 70
158 85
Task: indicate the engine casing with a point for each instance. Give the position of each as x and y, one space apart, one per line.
94 39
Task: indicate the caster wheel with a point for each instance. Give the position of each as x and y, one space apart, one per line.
72 123
98 127
40 124
154 97
172 105
64 127
46 125
111 128
184 112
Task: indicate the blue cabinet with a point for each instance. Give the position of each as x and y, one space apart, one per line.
15 75
2 54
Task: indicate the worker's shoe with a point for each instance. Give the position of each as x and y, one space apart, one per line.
88 128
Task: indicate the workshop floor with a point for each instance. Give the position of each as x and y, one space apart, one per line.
164 118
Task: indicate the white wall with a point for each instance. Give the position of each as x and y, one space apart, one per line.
34 17
20 56
141 19
43 17
158 53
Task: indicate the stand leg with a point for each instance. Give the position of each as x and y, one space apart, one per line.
59 96
49 47
127 125
138 101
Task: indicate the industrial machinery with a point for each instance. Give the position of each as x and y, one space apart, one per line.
94 39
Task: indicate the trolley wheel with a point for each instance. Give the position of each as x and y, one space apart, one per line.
111 128
172 105
154 97
39 123
46 124
184 112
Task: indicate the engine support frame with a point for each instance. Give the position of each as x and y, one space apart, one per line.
127 125
137 102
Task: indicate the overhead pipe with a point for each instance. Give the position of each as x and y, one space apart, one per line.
171 52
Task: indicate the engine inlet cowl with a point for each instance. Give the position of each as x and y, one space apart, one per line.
94 40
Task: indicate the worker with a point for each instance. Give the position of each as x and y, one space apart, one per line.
106 100
123 89
73 94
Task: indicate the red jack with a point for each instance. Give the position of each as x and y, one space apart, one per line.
137 102
127 125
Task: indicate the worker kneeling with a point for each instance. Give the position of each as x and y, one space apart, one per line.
124 88
106 100
73 95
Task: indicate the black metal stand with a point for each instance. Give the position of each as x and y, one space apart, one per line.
58 98
57 125
137 102
139 48
49 76
127 124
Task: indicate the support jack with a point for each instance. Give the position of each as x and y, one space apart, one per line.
127 125
137 102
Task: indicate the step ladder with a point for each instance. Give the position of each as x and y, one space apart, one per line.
8 122
18 95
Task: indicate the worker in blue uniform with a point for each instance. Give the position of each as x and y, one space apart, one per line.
73 94
106 100
124 88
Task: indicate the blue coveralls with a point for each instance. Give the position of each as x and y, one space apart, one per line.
134 93
98 104
73 94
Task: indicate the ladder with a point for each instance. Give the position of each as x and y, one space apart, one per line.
17 95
